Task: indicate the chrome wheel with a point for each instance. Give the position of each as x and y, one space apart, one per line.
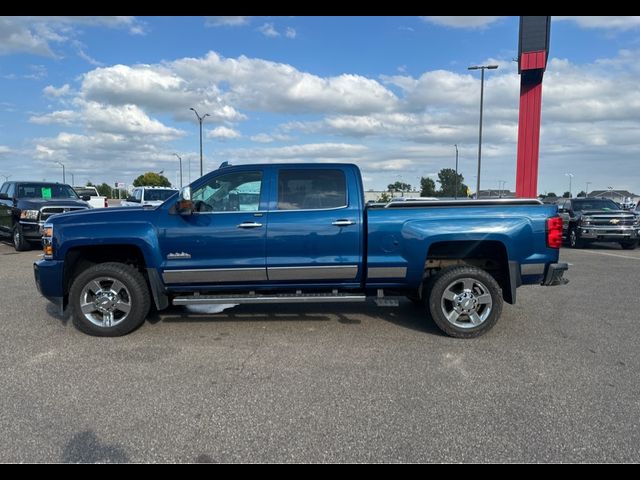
466 303
17 238
573 238
105 302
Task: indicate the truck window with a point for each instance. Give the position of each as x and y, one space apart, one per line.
311 189
233 192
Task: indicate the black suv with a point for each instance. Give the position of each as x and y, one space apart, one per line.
587 220
24 207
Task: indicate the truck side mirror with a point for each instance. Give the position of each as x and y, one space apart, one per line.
184 206
4 196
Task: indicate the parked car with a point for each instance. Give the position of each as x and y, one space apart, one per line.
297 233
25 206
95 199
586 220
149 196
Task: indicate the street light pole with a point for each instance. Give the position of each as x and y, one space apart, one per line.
200 119
455 183
482 68
586 192
180 158
64 178
570 175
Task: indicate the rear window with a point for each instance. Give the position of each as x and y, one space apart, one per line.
158 195
86 191
311 189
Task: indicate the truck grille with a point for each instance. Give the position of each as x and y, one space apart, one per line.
612 221
46 212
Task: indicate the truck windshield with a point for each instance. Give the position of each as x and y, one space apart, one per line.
45 191
594 204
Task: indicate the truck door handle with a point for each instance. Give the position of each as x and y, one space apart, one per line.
343 223
249 225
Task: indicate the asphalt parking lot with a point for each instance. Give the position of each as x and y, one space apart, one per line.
557 380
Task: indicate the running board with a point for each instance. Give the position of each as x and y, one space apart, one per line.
258 299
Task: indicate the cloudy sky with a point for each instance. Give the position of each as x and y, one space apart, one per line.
109 97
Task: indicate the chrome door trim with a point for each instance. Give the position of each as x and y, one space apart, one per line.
215 275
325 272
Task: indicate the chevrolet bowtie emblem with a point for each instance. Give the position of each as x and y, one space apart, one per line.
615 221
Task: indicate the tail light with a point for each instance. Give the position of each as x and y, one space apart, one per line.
106 203
554 232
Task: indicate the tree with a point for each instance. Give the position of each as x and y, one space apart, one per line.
104 190
551 194
151 179
447 180
427 187
582 194
566 195
399 187
384 198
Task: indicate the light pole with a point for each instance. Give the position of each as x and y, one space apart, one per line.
200 119
64 178
180 158
73 179
501 185
482 68
455 182
570 175
586 192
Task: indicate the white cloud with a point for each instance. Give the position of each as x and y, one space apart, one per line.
227 21
223 133
603 22
461 21
290 32
268 30
60 117
36 34
4 150
53 92
269 138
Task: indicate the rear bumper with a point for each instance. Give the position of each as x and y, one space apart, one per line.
50 280
555 275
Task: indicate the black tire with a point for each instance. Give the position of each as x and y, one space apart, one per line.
465 302
574 238
20 243
115 296
629 245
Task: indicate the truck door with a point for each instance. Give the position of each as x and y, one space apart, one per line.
223 241
314 233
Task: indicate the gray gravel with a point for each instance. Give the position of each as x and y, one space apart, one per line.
557 380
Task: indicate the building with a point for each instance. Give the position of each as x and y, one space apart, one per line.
618 196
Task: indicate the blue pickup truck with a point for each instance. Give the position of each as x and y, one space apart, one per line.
297 233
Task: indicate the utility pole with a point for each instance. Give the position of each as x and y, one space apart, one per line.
200 119
456 179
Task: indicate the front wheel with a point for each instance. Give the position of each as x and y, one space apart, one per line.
19 242
109 300
574 238
629 245
465 302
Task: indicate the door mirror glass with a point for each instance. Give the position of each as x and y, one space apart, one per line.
4 196
133 199
185 204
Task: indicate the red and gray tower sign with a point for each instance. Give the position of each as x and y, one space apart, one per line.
533 52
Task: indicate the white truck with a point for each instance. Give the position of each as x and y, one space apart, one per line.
95 199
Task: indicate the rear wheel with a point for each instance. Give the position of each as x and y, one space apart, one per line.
465 302
109 300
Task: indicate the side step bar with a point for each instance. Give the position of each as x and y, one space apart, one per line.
279 298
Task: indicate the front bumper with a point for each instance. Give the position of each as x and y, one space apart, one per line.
49 277
32 231
614 234
554 275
